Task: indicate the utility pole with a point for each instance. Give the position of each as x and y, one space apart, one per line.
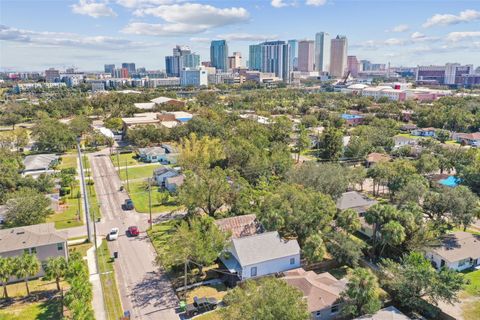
150 201
85 195
185 280
118 162
126 173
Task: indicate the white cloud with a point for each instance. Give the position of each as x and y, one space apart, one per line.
63 39
417 35
131 4
188 18
315 3
93 9
449 19
462 35
246 37
399 28
394 42
279 3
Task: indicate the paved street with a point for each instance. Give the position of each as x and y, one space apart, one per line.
144 288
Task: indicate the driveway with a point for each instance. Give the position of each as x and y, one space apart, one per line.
144 287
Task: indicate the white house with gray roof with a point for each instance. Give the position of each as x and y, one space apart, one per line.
260 255
360 203
43 240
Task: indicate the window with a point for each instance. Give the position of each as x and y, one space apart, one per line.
33 250
292 260
463 262
27 251
318 314
253 272
334 309
59 246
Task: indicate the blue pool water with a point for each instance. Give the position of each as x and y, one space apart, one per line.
451 181
351 116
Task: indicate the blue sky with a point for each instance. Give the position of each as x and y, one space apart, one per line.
37 34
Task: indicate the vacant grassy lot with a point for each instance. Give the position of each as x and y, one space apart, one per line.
217 291
471 294
68 161
138 172
129 158
71 216
162 201
113 304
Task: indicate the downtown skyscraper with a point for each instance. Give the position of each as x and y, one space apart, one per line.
219 55
276 59
293 54
182 58
338 56
306 55
322 52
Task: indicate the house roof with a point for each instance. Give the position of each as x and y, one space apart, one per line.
469 136
144 105
320 290
389 313
263 247
354 200
376 157
176 180
162 170
161 100
152 151
458 245
39 161
240 226
30 236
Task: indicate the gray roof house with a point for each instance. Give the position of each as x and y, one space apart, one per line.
168 178
457 250
360 203
40 239
39 162
260 255
165 154
388 313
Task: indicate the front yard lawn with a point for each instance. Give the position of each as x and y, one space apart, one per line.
473 288
138 172
16 290
162 201
113 305
81 248
68 161
130 158
45 310
69 216
212 315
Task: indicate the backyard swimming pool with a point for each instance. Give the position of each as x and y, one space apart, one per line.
451 181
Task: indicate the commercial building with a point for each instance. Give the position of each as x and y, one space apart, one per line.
193 77
219 54
353 65
275 59
109 68
449 74
235 61
322 52
255 57
52 75
293 54
338 56
306 55
182 58
130 66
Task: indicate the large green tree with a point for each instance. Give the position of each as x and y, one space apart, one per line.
331 143
53 136
56 268
26 207
267 298
7 269
361 294
25 267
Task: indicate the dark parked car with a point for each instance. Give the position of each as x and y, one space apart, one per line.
133 231
128 205
200 305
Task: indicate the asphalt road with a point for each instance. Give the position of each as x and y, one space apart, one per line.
144 288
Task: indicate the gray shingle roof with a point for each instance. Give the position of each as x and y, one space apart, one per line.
263 247
389 313
458 246
39 161
153 151
354 200
30 236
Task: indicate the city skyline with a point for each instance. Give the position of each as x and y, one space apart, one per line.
88 34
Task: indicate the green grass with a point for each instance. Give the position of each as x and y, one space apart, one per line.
113 304
81 248
139 195
217 291
160 233
471 310
473 288
68 161
213 315
407 135
68 218
138 172
122 157
18 290
340 272
45 310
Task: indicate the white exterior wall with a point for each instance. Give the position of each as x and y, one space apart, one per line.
161 178
271 266
325 314
451 265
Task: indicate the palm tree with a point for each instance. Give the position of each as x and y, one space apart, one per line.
56 268
26 266
6 271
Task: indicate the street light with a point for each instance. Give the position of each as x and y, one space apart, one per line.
85 195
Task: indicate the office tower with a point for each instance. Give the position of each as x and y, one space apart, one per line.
172 66
322 52
197 77
219 55
190 60
182 58
338 56
124 73
255 57
293 54
276 59
109 68
52 75
353 65
235 61
306 52
129 66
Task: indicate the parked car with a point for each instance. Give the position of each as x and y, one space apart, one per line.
113 234
128 205
133 231
200 305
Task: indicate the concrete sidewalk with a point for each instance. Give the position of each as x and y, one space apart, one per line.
98 303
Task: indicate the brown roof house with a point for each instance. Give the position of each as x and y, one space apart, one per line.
457 250
321 292
240 226
43 240
375 157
